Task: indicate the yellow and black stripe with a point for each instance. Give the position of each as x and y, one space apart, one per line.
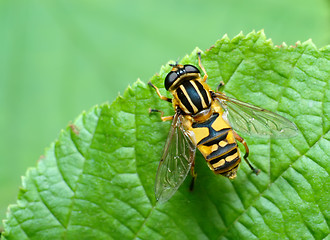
214 137
193 96
203 121
218 146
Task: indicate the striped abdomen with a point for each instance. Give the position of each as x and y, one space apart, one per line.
193 97
215 140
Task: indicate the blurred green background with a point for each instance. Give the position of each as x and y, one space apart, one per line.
58 58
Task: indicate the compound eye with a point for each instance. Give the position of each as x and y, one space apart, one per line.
191 69
170 79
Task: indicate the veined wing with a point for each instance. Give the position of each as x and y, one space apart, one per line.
253 120
178 156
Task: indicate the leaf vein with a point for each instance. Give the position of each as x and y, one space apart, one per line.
81 174
46 205
107 213
20 226
248 229
144 222
262 193
301 217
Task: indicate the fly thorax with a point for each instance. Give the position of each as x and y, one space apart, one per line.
193 97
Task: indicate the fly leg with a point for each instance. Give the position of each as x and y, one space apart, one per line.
202 67
158 93
167 118
194 176
220 86
241 140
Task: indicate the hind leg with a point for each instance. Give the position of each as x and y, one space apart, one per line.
241 140
194 176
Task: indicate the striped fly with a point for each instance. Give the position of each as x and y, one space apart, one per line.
207 120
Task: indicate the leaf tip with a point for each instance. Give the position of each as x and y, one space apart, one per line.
74 128
309 43
269 41
139 83
225 38
238 37
261 33
251 34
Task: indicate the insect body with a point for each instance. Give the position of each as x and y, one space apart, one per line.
206 120
215 139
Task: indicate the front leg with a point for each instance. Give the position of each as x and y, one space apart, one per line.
158 93
167 118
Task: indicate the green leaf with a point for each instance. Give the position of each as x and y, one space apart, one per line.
97 180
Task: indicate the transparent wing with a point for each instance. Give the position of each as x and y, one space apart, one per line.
253 120
178 156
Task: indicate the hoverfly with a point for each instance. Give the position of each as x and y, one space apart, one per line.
206 120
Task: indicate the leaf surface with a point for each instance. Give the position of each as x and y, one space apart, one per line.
97 180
